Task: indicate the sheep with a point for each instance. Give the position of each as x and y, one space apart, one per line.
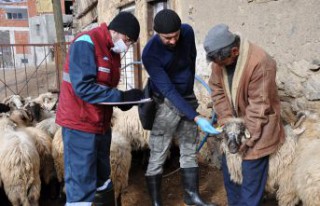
43 142
14 101
4 108
128 124
47 101
57 154
120 161
280 163
38 112
127 135
306 178
306 165
19 165
294 168
48 125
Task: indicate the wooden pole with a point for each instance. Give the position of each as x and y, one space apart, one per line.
61 47
56 4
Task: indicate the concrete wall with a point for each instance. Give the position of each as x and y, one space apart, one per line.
108 9
42 29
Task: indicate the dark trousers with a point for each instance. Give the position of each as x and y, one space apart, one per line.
87 164
250 192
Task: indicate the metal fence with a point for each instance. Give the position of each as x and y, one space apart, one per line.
32 69
27 69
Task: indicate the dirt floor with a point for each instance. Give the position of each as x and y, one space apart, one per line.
136 194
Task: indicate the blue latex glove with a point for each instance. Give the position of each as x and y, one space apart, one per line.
206 126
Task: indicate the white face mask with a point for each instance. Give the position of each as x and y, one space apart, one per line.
119 46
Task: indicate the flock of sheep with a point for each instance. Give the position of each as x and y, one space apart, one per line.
31 147
31 152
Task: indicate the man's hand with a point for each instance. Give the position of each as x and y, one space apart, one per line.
243 149
132 95
205 125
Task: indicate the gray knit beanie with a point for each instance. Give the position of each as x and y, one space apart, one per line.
127 24
167 21
217 38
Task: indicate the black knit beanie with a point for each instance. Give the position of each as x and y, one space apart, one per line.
167 21
127 24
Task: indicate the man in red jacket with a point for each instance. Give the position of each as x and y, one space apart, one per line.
243 85
90 76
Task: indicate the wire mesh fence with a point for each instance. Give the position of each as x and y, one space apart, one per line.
31 69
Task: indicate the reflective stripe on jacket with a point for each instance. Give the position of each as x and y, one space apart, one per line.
78 108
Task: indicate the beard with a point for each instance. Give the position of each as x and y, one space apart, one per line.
171 47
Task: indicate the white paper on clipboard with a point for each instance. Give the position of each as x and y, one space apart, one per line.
129 102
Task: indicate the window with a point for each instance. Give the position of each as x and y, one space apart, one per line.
154 6
15 16
16 13
130 63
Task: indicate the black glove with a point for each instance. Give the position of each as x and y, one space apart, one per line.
125 107
132 95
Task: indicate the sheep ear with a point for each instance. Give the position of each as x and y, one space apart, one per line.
301 116
299 131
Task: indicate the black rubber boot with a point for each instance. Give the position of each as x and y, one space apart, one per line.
190 181
154 186
104 198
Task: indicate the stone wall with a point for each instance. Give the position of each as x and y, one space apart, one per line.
287 29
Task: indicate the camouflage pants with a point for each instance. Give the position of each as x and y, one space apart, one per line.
168 124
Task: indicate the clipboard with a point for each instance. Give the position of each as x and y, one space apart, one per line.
129 102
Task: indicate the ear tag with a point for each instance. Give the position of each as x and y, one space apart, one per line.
219 129
247 134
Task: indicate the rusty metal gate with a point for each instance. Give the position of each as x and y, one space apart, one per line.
28 69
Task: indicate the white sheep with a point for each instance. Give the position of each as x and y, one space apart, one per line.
57 154
49 126
306 177
280 163
128 124
120 161
293 169
14 101
47 101
43 142
19 165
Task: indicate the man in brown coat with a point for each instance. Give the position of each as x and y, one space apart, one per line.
243 85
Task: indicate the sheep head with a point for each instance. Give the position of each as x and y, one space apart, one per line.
34 109
21 117
14 101
47 100
234 134
307 124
